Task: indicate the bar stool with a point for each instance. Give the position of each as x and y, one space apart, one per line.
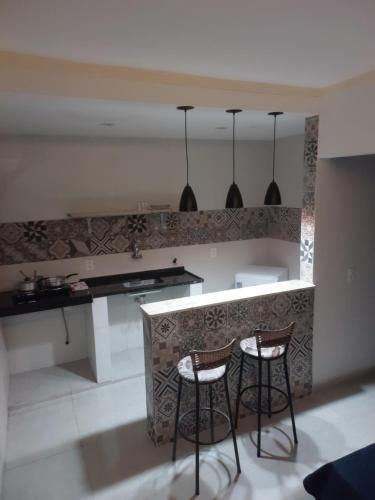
204 368
266 345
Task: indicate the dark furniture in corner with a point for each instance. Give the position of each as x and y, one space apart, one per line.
349 478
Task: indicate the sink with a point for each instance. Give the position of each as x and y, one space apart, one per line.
139 283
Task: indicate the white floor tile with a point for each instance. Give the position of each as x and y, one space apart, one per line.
78 374
40 431
37 386
110 406
129 363
60 477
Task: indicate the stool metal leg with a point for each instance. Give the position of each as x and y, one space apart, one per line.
231 423
269 387
239 388
259 403
177 417
196 435
211 412
290 399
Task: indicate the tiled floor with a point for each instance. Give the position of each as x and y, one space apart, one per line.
43 385
93 445
128 363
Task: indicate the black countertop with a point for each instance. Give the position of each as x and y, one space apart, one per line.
114 285
9 307
102 286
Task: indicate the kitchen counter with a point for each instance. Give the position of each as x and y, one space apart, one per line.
95 314
8 306
102 286
105 286
173 328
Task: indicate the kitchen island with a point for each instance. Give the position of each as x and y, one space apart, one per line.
173 328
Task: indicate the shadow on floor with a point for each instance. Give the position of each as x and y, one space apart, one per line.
121 453
80 368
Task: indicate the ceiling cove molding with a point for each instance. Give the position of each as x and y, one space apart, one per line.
33 74
368 77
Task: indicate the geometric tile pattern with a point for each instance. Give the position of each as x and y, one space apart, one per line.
170 337
308 199
68 238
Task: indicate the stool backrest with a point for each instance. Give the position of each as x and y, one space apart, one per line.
274 338
206 360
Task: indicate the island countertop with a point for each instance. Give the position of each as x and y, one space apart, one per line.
173 328
210 299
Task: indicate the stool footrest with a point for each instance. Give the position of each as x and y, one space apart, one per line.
264 412
204 443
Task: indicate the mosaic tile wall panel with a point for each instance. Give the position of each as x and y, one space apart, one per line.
284 223
308 200
170 337
68 238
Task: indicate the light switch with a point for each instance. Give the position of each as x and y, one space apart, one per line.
213 253
89 265
349 275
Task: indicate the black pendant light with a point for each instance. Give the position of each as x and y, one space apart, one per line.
188 203
234 198
273 196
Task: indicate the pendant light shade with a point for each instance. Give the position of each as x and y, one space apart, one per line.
188 203
234 198
273 196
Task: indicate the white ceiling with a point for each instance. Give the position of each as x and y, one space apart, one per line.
297 42
38 114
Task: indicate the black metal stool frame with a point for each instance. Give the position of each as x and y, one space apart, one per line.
198 409
268 386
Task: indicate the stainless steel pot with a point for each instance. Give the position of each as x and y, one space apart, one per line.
28 285
55 281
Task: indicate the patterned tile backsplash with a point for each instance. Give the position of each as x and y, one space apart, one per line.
308 199
171 336
68 238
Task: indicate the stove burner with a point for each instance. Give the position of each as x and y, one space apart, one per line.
24 297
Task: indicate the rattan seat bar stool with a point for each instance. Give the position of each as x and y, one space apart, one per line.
266 346
204 368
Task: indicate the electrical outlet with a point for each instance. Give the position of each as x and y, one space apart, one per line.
89 265
213 253
349 275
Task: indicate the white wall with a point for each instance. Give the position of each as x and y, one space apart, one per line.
346 119
344 326
4 386
46 177
289 169
37 340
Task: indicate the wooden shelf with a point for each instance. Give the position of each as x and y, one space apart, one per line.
114 213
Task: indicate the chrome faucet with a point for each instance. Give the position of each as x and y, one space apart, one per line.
136 251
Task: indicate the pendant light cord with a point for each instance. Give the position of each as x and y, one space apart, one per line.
186 151
274 148
233 142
